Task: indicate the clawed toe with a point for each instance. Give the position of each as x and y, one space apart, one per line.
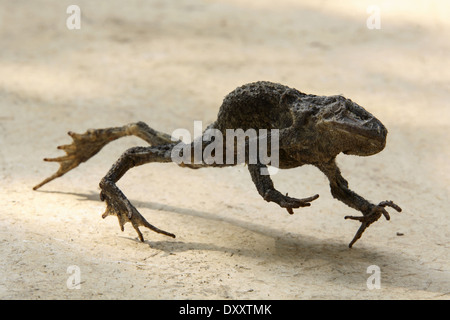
291 203
359 218
370 218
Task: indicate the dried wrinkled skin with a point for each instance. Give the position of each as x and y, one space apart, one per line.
312 130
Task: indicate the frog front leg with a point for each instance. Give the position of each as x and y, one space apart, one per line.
340 190
266 189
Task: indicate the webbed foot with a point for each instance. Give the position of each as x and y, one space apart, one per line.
376 212
83 147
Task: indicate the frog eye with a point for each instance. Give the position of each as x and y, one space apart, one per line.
328 113
335 107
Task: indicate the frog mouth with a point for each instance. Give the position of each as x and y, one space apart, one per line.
365 145
365 138
376 134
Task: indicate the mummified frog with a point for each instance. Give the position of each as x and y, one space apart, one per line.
312 130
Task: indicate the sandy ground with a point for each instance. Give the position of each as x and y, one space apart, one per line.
169 63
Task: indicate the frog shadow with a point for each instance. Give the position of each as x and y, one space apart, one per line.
334 257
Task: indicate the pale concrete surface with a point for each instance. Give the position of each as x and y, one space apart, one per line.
170 63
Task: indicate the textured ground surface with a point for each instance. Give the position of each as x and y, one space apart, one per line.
170 63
